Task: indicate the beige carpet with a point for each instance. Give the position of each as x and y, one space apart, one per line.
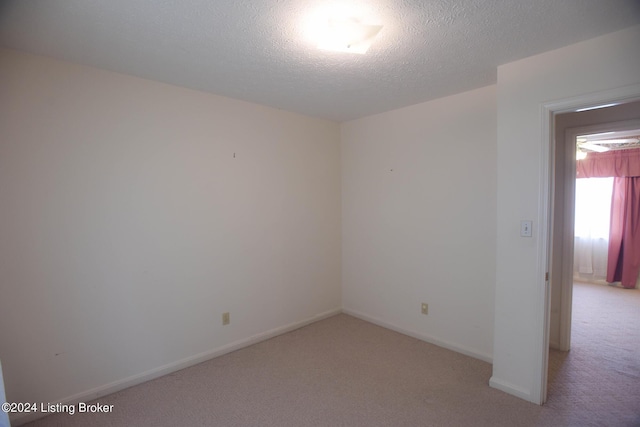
346 372
598 381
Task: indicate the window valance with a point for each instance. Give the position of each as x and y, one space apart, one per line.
617 163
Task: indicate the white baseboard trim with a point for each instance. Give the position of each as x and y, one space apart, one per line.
501 385
104 390
420 336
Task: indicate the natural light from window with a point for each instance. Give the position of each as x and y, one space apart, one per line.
593 207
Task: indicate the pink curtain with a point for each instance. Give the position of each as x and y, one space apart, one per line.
623 264
624 240
611 163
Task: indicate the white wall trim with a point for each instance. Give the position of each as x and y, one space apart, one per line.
501 385
149 375
568 225
538 393
618 95
420 336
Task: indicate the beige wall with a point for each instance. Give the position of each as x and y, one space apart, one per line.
419 200
128 226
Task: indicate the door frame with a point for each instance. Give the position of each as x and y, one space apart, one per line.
569 177
546 209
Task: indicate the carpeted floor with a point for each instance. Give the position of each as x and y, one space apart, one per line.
598 381
343 371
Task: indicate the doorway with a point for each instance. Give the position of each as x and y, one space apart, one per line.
567 127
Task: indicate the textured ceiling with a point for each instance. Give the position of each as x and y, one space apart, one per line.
256 50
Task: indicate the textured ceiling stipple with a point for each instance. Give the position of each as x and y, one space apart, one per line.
258 51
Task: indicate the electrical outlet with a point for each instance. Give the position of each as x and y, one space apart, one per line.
425 308
225 318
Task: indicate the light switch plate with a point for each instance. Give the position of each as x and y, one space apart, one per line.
525 228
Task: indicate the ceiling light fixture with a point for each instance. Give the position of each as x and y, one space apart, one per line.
595 135
593 147
348 35
596 107
341 26
618 141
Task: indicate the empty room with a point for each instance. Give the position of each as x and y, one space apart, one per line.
292 213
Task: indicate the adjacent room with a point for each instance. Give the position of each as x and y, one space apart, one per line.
594 308
298 213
